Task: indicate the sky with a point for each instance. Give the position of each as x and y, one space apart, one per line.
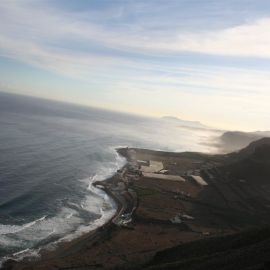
205 60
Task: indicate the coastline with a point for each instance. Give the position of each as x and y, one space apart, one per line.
125 207
169 207
61 247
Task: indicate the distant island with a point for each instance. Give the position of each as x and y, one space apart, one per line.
184 122
175 211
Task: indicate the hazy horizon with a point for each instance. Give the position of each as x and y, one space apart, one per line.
79 105
199 61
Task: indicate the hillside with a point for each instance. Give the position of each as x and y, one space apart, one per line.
251 163
248 250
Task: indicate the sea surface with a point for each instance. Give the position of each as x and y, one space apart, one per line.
50 154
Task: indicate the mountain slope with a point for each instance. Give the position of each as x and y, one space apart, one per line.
247 250
251 163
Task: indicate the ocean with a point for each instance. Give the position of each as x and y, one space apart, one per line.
51 153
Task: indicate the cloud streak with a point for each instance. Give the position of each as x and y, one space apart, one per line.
29 21
132 54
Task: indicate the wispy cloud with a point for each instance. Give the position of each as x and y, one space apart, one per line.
33 24
41 35
130 48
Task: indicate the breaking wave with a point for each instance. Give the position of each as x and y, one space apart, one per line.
73 220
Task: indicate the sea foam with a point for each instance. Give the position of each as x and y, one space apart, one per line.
67 224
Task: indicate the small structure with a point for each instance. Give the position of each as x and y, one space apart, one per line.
189 172
176 220
196 172
199 180
154 167
163 176
188 217
143 162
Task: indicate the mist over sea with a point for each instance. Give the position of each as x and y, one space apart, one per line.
51 152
